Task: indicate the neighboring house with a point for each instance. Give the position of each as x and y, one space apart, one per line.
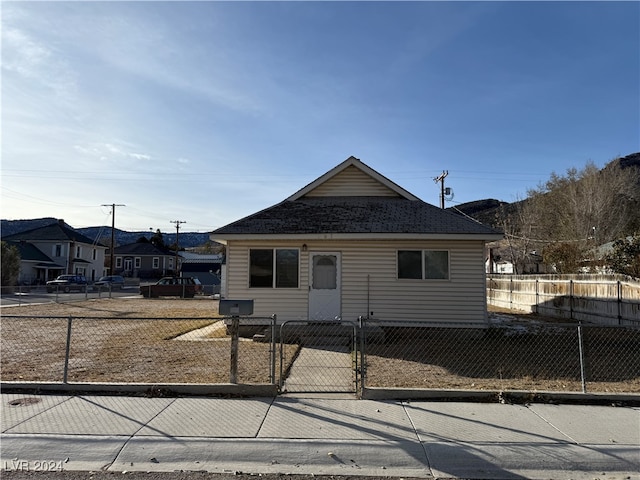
205 267
62 250
143 260
353 243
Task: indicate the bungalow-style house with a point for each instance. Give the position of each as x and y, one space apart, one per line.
56 249
143 260
353 243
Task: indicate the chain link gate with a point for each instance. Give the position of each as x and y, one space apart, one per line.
327 360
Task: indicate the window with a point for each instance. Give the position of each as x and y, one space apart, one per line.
273 268
423 264
94 255
156 263
138 262
78 252
118 262
57 250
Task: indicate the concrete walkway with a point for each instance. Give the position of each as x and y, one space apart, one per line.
331 436
321 368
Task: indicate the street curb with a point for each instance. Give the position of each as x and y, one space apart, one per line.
145 389
497 396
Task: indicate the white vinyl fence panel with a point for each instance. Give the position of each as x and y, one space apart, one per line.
605 300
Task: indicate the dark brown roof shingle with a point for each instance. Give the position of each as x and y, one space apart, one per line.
354 215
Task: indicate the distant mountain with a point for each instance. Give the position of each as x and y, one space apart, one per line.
11 227
492 212
103 234
488 211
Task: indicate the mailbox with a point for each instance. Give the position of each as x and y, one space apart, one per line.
236 308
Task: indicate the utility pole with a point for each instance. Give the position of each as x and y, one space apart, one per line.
441 180
177 222
113 226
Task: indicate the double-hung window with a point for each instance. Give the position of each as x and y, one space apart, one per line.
423 264
273 267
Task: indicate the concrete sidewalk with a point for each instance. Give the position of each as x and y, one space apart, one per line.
324 435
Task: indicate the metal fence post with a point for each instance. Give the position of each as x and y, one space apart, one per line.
281 380
67 351
233 369
272 351
583 378
362 325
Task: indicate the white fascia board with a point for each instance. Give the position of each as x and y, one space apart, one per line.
359 236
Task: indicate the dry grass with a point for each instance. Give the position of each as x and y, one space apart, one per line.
127 340
527 358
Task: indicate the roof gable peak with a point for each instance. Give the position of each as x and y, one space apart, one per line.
364 169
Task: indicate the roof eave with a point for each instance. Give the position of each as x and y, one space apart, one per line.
487 237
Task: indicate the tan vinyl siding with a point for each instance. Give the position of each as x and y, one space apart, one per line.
370 283
352 182
286 303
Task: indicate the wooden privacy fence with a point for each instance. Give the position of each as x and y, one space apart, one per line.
605 300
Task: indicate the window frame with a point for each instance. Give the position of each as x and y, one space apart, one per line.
423 264
275 277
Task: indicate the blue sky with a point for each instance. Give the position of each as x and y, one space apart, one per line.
206 112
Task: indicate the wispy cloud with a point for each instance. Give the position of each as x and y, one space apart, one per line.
110 151
33 61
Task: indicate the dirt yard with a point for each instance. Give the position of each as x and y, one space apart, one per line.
184 341
127 340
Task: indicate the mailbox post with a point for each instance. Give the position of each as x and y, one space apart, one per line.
235 309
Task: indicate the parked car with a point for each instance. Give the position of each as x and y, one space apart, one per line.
185 287
110 282
66 283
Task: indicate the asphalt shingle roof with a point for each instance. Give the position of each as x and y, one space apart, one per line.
349 215
141 248
30 252
52 232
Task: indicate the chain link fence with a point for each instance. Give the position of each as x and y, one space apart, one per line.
131 350
29 294
322 357
523 356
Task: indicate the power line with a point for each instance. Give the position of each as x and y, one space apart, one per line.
177 222
441 180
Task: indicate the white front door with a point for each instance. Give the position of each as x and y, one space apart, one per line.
324 286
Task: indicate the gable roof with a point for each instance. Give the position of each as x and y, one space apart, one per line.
353 162
54 232
355 216
31 253
404 215
142 248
